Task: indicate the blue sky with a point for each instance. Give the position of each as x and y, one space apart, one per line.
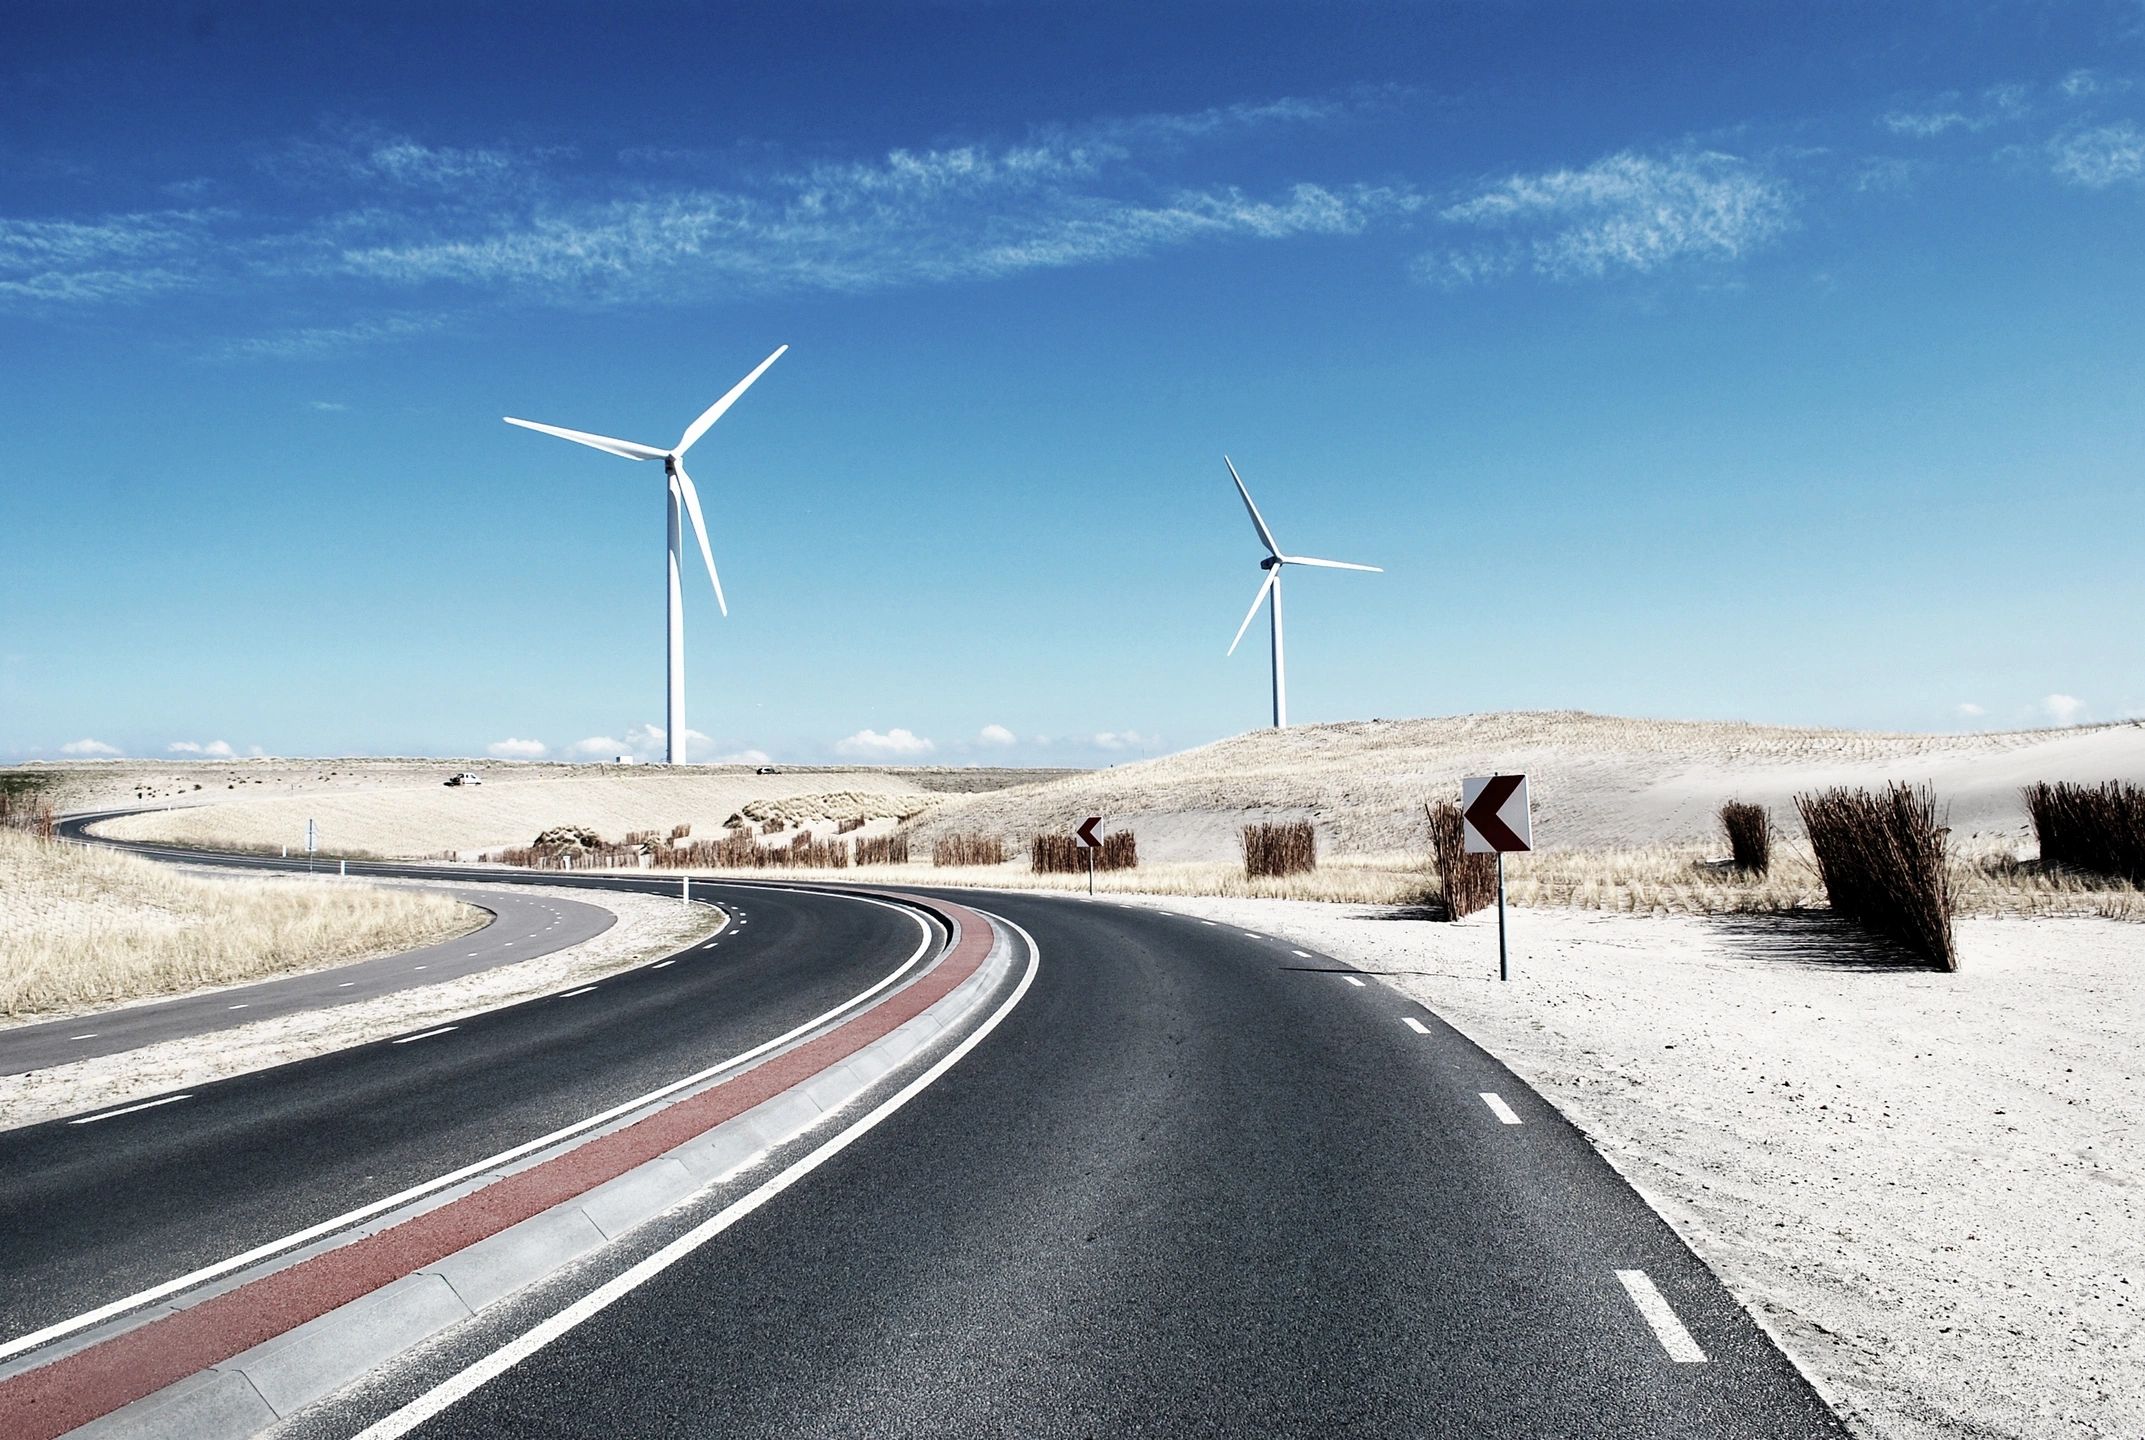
1707 360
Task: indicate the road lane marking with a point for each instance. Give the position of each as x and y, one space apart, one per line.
1498 1108
411 1039
1352 980
417 967
130 1109
1667 1328
22 1343
90 1036
242 1005
1301 954
661 963
1249 936
345 985
1206 922
1414 1024
506 1357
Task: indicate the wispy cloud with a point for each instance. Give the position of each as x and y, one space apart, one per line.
896 743
1997 105
2100 156
114 257
2063 709
516 749
311 341
1626 212
88 747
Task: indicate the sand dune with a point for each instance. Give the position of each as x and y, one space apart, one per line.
1598 781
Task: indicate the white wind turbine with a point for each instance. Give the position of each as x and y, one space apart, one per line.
681 489
1271 585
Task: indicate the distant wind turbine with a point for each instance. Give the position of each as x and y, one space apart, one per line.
681 489
1271 585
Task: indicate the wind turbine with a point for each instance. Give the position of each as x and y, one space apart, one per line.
681 489
1271 585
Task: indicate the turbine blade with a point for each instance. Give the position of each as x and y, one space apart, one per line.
1266 536
1330 564
631 450
700 533
1256 601
714 412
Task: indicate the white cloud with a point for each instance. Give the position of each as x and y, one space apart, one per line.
512 749
1126 740
214 749
2100 157
2063 709
739 757
996 735
309 342
1970 710
88 747
1998 105
870 744
596 745
114 257
1624 212
645 742
326 405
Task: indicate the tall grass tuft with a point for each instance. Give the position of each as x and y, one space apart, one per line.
26 810
968 850
1469 881
882 849
1750 836
1288 849
1882 860
1060 854
845 826
2096 828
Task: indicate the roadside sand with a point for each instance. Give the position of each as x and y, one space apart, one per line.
648 926
1931 1187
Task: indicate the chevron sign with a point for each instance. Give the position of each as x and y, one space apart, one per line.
1494 811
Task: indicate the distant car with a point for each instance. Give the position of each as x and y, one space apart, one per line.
767 770
465 778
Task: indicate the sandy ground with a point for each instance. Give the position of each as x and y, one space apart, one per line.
648 926
1929 1186
1598 781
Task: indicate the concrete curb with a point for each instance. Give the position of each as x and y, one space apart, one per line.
259 1386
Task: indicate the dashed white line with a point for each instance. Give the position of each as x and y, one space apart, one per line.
661 963
407 1039
582 991
241 1006
345 985
1667 1328
1498 1108
130 1109
1353 980
1414 1024
1249 936
1206 922
417 967
90 1036
1301 954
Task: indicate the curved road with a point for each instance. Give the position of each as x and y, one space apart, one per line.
1197 1183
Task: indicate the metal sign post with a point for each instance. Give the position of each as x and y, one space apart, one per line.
1495 817
1089 842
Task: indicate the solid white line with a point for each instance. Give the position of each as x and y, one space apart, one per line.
1667 1328
506 1357
1498 1108
1414 1024
454 1177
129 1110
407 1039
1352 980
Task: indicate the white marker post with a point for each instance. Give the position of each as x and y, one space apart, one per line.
1495 817
312 842
685 888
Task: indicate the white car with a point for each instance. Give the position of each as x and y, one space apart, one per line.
467 777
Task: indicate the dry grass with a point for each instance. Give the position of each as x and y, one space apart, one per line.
2096 828
82 927
955 850
1064 855
1466 882
1749 829
853 807
1289 849
1883 860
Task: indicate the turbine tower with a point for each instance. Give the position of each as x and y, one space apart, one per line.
681 492
1271 585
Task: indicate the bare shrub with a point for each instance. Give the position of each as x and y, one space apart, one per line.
1883 863
680 832
844 827
1750 836
882 850
1061 854
1288 849
2096 828
968 850
773 827
1469 881
1120 851
27 811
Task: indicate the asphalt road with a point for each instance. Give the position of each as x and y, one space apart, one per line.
93 1212
1198 1183
522 927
